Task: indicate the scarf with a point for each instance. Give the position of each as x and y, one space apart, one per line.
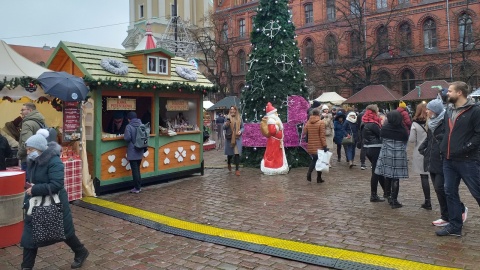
235 126
371 117
433 123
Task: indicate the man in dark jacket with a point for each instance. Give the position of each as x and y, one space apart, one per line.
134 154
459 147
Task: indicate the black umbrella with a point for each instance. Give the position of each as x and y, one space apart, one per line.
64 86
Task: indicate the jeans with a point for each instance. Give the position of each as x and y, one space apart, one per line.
23 166
438 182
350 151
135 166
469 171
372 154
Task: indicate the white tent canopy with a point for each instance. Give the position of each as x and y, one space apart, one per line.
207 104
475 93
331 97
13 65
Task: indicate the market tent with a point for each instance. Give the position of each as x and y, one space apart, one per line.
226 103
14 66
426 91
207 104
372 94
331 97
476 93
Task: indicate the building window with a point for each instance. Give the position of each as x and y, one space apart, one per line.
309 13
225 32
408 81
381 4
157 65
384 78
226 64
331 10
332 51
432 73
429 34
405 37
309 52
355 7
355 44
140 11
242 67
241 28
403 2
173 10
465 30
382 39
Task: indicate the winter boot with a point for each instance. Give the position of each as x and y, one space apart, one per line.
427 205
374 198
80 258
395 190
309 174
319 177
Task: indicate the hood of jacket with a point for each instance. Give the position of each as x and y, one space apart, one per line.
53 149
135 122
313 119
352 117
394 118
34 116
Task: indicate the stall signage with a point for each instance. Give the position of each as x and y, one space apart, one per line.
177 105
121 104
71 121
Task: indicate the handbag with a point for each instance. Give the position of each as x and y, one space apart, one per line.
347 140
47 221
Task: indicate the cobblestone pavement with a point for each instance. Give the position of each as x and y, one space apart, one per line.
336 214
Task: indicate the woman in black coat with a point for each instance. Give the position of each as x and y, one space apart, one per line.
433 160
5 152
46 170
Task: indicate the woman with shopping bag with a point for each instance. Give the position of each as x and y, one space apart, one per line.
46 176
315 132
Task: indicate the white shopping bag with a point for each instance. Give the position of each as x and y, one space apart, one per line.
323 162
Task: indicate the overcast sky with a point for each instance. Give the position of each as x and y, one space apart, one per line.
47 22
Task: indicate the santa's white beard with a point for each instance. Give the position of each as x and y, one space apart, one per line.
277 120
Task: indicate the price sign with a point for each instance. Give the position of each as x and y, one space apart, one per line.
71 121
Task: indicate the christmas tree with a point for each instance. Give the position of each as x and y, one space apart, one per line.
274 72
275 69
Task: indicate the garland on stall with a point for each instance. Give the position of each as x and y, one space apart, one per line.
176 86
57 104
114 66
186 73
25 82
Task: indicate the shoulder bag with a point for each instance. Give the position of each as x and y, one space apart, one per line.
47 221
347 140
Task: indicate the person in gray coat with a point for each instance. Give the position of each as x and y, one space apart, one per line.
392 161
233 128
134 154
46 170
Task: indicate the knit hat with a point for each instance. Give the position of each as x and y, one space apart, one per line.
315 104
436 106
37 141
402 104
325 107
131 115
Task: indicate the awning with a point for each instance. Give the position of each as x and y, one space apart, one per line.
226 103
372 94
426 91
331 97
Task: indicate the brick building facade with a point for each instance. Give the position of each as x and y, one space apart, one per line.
403 42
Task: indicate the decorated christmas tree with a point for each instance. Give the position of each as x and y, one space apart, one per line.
275 72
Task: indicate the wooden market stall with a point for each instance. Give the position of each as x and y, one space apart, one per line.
162 89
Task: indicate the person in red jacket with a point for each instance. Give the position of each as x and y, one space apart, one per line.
406 120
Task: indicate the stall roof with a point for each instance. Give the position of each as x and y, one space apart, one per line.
373 93
87 59
226 103
331 97
13 65
207 104
426 90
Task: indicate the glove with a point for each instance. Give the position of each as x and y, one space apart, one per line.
325 149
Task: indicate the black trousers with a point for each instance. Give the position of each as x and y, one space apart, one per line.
372 154
29 254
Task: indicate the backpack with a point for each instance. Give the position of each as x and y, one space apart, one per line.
142 135
52 132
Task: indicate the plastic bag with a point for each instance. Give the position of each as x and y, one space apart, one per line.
323 162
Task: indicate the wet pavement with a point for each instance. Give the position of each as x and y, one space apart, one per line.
336 213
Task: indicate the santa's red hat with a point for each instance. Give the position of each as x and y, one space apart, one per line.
270 109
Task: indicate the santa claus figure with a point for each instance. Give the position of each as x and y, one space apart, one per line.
274 161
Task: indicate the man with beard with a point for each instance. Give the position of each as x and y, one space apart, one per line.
274 160
459 148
